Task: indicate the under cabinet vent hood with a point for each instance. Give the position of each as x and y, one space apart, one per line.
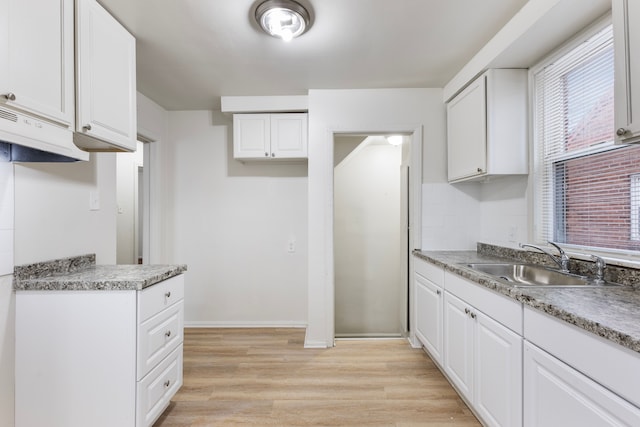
19 153
37 137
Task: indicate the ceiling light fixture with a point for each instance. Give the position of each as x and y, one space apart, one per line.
284 19
394 139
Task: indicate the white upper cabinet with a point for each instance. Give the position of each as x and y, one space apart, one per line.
487 127
36 58
626 36
105 81
270 136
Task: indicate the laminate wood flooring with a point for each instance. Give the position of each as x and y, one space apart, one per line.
264 377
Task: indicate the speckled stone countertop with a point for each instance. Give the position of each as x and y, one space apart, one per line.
82 273
612 312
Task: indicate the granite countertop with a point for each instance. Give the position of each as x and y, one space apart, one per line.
82 273
612 312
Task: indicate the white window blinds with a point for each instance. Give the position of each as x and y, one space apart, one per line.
587 191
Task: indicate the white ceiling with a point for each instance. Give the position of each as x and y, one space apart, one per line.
191 52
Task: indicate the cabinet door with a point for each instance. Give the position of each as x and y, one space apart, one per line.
429 302
289 136
106 79
251 133
458 344
498 373
555 394
36 57
467 132
626 33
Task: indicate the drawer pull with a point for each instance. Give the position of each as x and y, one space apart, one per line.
167 334
168 294
167 383
466 311
473 315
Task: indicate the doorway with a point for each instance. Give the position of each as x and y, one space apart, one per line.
132 194
371 235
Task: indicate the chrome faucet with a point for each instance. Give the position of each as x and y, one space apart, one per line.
600 266
562 259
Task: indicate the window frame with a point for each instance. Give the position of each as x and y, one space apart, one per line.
536 214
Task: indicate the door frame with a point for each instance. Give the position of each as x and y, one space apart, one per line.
415 212
403 207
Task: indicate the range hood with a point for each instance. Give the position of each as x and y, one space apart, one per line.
19 153
32 139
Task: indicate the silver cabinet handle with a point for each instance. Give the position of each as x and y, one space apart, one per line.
466 311
167 334
438 292
167 383
266 154
480 170
473 315
10 96
621 132
167 294
86 127
273 154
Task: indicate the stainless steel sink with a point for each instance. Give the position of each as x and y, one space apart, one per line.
530 275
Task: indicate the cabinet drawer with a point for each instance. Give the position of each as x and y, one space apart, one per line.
503 309
156 298
155 391
158 336
429 271
612 365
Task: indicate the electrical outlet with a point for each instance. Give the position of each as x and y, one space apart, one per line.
291 246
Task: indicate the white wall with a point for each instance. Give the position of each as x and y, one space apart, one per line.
367 240
231 224
7 297
351 111
52 215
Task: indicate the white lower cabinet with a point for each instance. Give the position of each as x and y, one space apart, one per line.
429 303
99 358
483 359
518 366
555 394
475 336
458 344
498 373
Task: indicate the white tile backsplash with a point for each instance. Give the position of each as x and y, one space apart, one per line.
450 216
456 217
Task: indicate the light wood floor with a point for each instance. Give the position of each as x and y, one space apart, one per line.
264 377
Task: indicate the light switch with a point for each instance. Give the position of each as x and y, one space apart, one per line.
94 200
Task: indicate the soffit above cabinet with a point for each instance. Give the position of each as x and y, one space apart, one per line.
265 104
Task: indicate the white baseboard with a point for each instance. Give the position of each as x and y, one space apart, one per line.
315 344
245 324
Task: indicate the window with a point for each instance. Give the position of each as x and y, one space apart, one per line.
587 189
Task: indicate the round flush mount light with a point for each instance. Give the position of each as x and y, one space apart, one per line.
394 139
284 19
